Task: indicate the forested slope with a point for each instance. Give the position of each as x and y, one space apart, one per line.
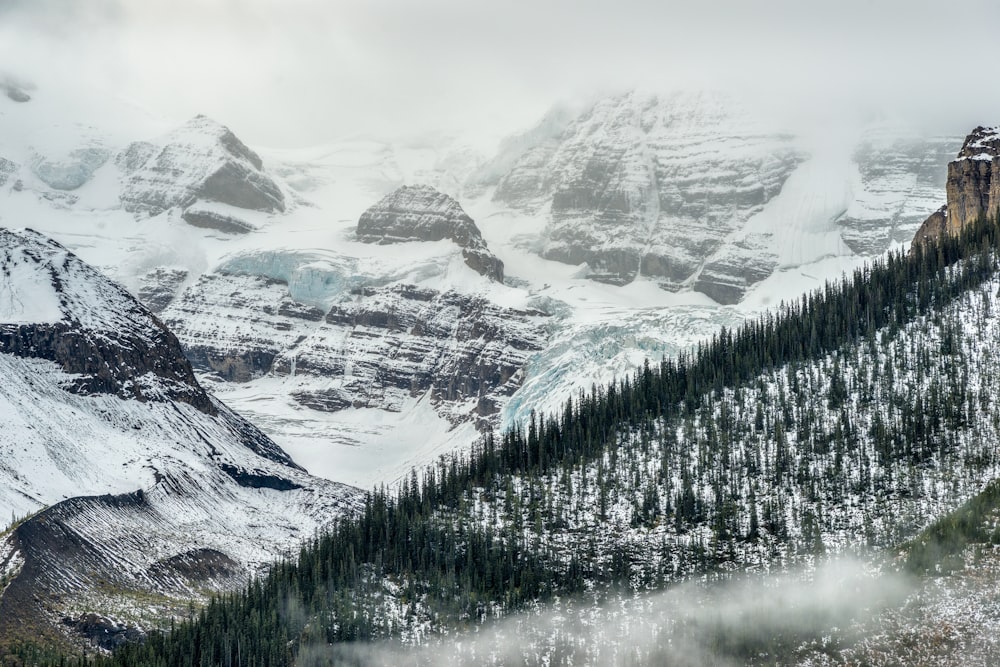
846 421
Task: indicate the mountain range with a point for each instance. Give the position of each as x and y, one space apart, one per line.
212 320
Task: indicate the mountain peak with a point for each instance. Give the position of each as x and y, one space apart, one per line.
205 130
201 160
422 213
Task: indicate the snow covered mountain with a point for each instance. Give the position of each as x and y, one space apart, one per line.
639 186
361 359
141 491
694 191
363 327
200 162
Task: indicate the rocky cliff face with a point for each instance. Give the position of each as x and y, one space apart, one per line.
376 349
644 185
972 187
397 342
694 192
421 213
235 325
974 179
202 160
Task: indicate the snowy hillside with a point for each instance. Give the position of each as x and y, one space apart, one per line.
110 437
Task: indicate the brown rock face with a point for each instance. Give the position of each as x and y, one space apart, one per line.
933 227
973 186
974 179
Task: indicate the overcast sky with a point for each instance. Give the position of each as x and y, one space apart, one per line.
294 72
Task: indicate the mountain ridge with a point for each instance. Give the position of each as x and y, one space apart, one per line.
185 497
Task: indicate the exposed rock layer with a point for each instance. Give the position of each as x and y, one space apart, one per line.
376 350
402 341
641 185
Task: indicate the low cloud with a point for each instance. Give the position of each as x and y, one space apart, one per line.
305 71
689 624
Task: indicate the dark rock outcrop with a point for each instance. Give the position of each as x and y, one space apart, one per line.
421 213
974 179
973 186
201 160
209 218
112 363
256 479
102 632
